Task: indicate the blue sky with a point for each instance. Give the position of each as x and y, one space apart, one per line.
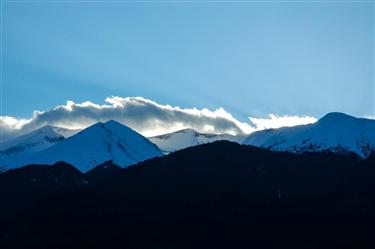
252 59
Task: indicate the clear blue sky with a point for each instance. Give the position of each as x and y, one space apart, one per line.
250 58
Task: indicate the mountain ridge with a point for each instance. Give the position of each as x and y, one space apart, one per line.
185 138
336 132
33 142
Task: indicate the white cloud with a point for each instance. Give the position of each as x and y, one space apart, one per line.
144 116
12 123
11 127
275 121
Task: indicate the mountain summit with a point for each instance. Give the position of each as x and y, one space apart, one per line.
181 139
101 142
23 146
335 132
37 140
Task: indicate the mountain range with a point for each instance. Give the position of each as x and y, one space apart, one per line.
101 142
107 186
112 141
215 195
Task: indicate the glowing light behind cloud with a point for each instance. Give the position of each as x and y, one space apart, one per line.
145 116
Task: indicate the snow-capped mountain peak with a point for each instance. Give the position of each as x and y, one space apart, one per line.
35 141
189 137
15 151
101 142
336 132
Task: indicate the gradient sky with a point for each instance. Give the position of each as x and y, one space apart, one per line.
252 58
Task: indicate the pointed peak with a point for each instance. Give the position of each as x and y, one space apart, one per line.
112 127
98 124
113 122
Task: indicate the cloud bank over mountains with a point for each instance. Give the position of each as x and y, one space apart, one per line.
145 116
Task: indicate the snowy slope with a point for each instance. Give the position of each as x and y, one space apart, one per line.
188 137
33 142
95 145
336 132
